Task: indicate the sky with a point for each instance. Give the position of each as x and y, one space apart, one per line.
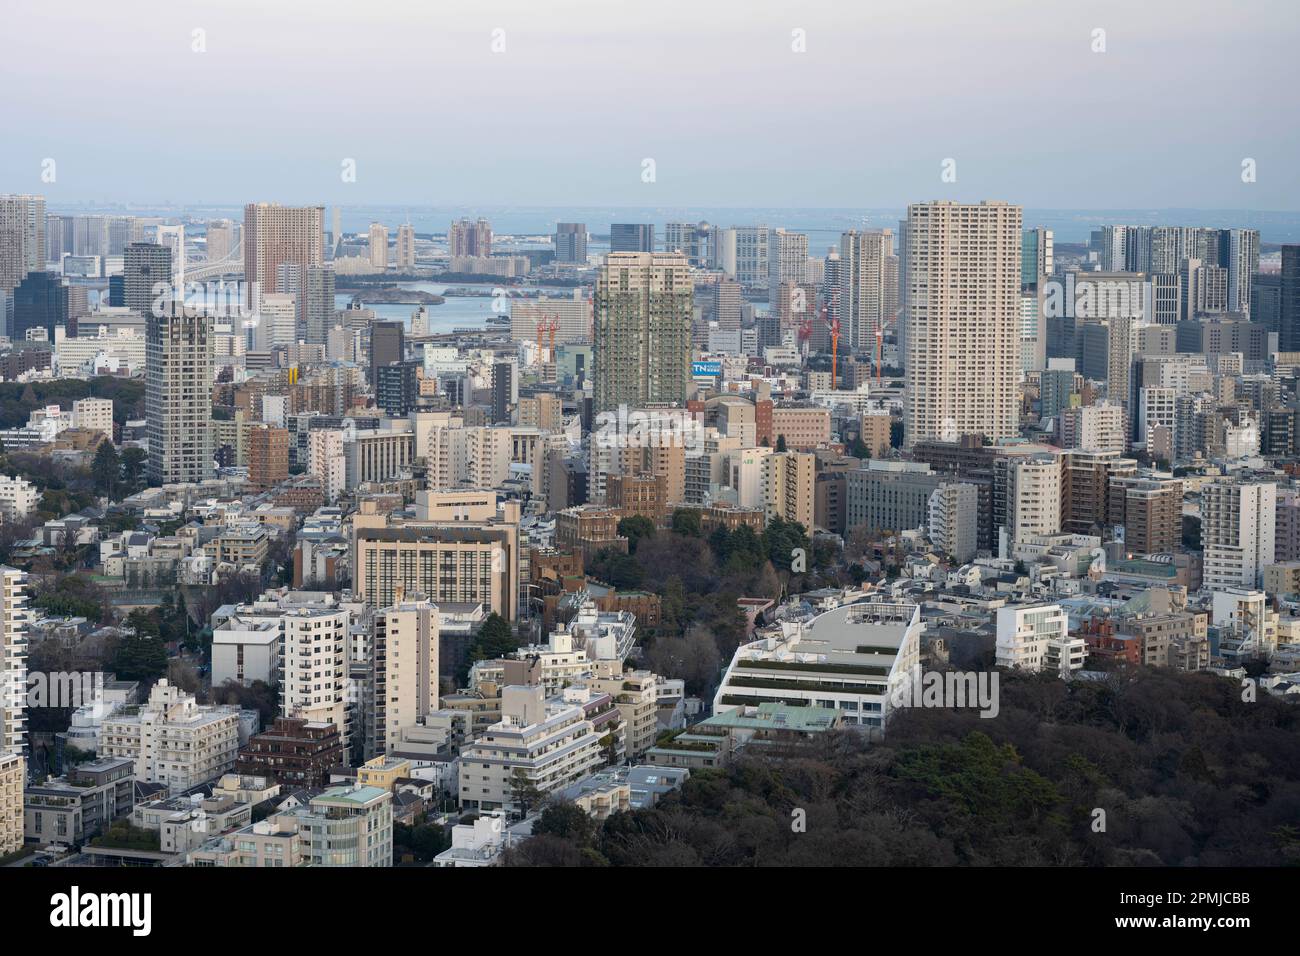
562 102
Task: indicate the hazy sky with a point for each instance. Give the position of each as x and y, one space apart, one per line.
711 90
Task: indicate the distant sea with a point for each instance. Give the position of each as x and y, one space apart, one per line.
823 226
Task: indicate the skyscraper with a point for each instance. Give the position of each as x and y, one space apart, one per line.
178 395
22 238
1289 300
787 261
642 336
468 238
318 304
405 246
143 265
963 320
632 237
379 246
859 301
13 659
40 302
571 242
387 344
274 234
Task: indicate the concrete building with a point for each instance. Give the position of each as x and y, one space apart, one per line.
963 321
889 495
1037 637
642 335
1237 532
178 397
76 807
13 776
14 616
315 666
787 480
347 827
173 740
274 235
18 497
1151 511
848 659
954 520
550 743
405 661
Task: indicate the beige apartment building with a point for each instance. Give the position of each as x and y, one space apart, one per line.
788 487
173 740
315 666
405 655
963 320
551 743
13 774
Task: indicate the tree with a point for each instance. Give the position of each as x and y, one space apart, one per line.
495 639
524 794
566 820
780 443
105 470
133 460
687 521
634 528
140 657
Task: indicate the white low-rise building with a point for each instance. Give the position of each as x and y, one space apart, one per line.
849 659
1037 637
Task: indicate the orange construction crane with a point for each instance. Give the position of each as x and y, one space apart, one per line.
880 338
835 343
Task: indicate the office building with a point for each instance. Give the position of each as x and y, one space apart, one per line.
1238 527
571 243
632 237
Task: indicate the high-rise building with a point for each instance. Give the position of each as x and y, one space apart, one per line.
405 656
378 246
571 242
222 239
178 396
144 265
963 320
860 298
13 775
397 387
642 336
22 238
787 261
466 238
275 234
315 666
405 246
1238 527
318 304
40 302
1036 257
13 659
632 237
1289 300
387 345
268 456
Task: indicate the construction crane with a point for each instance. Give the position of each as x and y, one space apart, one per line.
835 341
880 338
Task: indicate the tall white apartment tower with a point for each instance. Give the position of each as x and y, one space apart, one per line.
963 320
378 246
1238 521
405 669
863 264
315 658
13 659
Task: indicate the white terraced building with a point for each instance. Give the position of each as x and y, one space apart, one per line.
848 659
